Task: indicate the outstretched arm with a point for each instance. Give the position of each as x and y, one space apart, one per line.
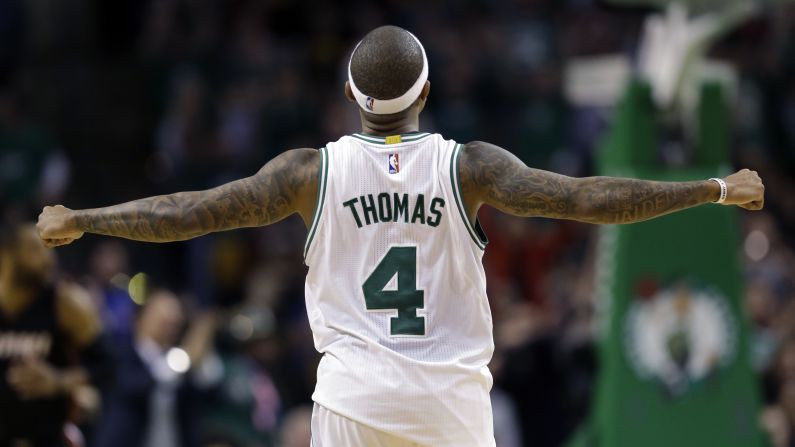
492 175
285 185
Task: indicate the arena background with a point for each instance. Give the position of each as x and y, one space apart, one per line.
103 102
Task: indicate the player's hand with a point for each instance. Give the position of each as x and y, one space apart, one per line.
56 226
33 378
745 189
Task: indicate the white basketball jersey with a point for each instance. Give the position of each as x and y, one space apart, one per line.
396 292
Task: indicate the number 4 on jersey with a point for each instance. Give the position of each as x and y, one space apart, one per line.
406 299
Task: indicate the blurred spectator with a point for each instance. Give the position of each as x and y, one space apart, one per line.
296 428
182 141
779 417
778 426
153 401
247 406
33 170
50 348
108 284
507 432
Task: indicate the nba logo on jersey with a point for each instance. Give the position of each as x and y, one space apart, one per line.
370 101
394 164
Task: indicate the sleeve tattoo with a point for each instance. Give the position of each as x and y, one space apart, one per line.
493 176
278 190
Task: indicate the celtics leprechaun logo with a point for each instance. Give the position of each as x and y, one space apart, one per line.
679 335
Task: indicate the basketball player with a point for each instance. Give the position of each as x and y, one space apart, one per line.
396 293
45 330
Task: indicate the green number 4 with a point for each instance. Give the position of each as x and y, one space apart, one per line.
406 299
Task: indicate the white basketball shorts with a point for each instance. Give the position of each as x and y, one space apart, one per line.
329 429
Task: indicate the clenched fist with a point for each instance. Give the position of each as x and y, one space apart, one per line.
56 226
745 189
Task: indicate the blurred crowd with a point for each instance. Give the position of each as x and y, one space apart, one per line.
102 102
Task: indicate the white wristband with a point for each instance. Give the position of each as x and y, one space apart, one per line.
724 190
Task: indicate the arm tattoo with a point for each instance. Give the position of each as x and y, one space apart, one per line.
282 187
493 176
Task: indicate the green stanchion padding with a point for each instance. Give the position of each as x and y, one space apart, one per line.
675 368
634 140
713 139
674 361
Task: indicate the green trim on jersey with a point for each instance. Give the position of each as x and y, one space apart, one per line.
477 233
404 137
322 178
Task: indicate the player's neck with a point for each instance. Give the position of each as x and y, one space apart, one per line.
409 123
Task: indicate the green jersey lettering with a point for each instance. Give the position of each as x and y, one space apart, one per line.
419 210
400 261
401 208
350 204
384 207
434 222
368 209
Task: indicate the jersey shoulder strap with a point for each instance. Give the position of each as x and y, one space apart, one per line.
475 230
322 183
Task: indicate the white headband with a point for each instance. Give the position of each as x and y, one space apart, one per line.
395 105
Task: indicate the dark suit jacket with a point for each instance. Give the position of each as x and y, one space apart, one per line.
126 407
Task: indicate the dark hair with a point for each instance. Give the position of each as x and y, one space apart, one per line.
387 62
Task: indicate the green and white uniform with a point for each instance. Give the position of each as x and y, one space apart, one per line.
396 292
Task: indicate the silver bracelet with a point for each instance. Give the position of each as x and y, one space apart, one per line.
724 190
